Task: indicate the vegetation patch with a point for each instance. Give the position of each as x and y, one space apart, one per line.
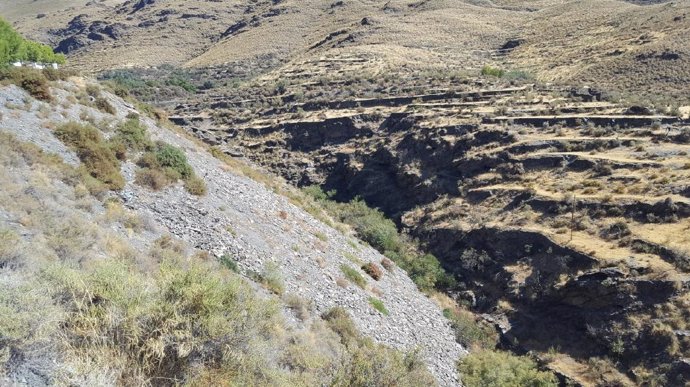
373 227
31 80
132 135
161 164
353 275
158 326
373 270
13 48
378 305
502 369
97 156
469 332
370 364
492 71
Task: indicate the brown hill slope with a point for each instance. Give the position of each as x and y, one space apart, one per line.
612 44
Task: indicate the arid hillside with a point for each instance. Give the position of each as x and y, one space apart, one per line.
131 255
614 45
553 206
526 162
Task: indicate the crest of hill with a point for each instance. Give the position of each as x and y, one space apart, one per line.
612 44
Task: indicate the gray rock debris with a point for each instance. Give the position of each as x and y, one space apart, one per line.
257 227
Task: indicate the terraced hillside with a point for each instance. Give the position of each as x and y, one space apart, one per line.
564 215
555 186
636 50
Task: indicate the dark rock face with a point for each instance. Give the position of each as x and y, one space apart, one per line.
95 36
234 29
139 4
512 44
639 111
666 55
80 32
70 44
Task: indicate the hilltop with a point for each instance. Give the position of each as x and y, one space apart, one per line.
612 45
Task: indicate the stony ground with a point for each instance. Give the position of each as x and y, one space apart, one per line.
261 230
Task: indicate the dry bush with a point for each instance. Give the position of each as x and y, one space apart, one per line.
10 253
103 105
373 270
195 186
31 80
388 264
97 157
151 178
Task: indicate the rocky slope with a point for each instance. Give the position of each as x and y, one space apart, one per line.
563 214
241 219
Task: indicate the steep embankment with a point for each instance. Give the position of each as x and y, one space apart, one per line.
238 222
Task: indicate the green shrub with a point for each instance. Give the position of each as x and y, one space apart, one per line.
317 193
426 271
470 332
492 71
98 158
373 227
353 275
13 47
169 163
134 135
229 263
169 156
378 305
502 369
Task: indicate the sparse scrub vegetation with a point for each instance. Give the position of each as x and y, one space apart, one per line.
9 249
381 233
378 305
161 164
31 80
501 369
98 158
370 364
353 275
